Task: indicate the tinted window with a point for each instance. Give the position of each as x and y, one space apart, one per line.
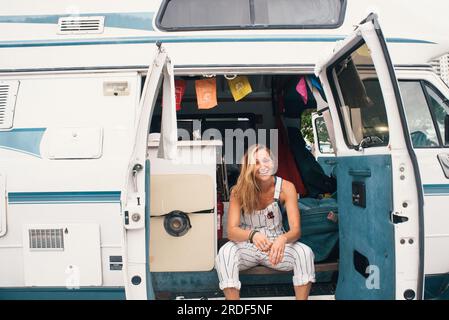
439 108
419 120
294 12
205 13
237 14
361 107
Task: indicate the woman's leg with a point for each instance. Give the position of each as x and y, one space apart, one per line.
300 258
304 268
302 292
231 293
232 258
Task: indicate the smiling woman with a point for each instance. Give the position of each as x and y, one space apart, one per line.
256 231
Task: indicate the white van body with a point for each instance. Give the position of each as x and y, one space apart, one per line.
75 156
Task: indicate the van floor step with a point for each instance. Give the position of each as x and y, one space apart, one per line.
264 291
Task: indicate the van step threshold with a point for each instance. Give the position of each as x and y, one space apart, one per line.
322 297
274 291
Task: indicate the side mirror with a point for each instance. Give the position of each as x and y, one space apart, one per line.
446 130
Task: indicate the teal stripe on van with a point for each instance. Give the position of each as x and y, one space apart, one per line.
126 20
187 39
436 189
25 140
56 293
64 197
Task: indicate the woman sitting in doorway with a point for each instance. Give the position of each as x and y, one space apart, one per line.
255 228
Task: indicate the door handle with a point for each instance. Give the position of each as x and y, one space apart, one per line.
137 167
360 173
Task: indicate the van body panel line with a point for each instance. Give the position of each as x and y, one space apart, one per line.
176 39
64 197
436 189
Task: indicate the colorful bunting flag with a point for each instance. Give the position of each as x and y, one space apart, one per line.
180 89
301 88
316 83
240 87
206 93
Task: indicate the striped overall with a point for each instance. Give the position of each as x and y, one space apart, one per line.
236 256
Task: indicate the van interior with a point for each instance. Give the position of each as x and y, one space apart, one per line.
274 103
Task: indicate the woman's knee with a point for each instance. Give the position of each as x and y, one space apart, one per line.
226 252
306 250
309 252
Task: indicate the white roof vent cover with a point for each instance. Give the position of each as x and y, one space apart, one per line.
81 25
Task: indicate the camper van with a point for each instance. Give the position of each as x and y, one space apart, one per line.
115 177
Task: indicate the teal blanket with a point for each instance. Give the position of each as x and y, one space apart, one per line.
319 225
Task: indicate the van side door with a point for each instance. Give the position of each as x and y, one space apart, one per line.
379 187
134 197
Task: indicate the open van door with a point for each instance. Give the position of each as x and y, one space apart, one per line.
379 188
134 197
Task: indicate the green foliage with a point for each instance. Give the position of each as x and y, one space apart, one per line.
306 125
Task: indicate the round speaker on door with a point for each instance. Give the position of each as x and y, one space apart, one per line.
177 223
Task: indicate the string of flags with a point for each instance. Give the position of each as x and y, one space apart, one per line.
240 87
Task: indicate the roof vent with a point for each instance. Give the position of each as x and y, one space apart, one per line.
80 25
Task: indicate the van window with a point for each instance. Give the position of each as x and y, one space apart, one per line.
299 13
184 15
439 107
324 142
419 120
361 104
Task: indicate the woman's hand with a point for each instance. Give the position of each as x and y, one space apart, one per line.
261 242
277 250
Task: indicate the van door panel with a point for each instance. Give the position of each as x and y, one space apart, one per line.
169 192
365 231
193 251
193 195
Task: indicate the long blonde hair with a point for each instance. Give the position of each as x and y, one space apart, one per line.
247 189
